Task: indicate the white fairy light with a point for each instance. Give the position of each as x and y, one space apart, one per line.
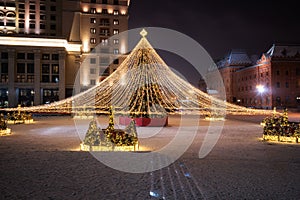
143 84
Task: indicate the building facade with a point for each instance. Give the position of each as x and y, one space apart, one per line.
272 81
44 43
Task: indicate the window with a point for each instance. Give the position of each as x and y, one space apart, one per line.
55 79
53 26
45 79
22 6
45 69
278 72
116 31
21 25
53 17
92 30
32 7
30 56
278 84
42 7
104 22
92 60
53 8
21 56
32 26
104 41
30 78
55 57
287 72
4 68
55 69
20 68
4 55
116 2
93 40
30 68
42 26
93 20
104 32
287 85
92 82
298 71
93 10
116 12
32 16
92 71
267 73
116 41
93 1
116 22
45 56
104 11
104 1
21 15
42 17
116 51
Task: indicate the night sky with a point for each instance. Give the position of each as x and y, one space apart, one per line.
220 26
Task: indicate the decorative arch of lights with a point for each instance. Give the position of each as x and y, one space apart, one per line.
143 83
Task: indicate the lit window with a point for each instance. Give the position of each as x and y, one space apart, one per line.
116 12
104 32
116 41
104 41
55 69
93 20
93 30
116 31
93 41
45 56
116 22
116 51
93 10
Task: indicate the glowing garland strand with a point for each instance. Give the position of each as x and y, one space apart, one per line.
143 84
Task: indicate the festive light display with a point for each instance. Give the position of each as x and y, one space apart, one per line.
110 139
144 86
3 126
278 128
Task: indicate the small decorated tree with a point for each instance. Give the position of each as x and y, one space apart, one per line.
279 128
3 125
92 137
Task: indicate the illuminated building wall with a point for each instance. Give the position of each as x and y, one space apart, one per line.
44 42
272 81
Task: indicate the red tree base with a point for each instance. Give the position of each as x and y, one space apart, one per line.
141 121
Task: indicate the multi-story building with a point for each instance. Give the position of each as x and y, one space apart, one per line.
272 81
43 44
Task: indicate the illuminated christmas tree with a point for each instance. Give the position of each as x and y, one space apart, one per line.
144 85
